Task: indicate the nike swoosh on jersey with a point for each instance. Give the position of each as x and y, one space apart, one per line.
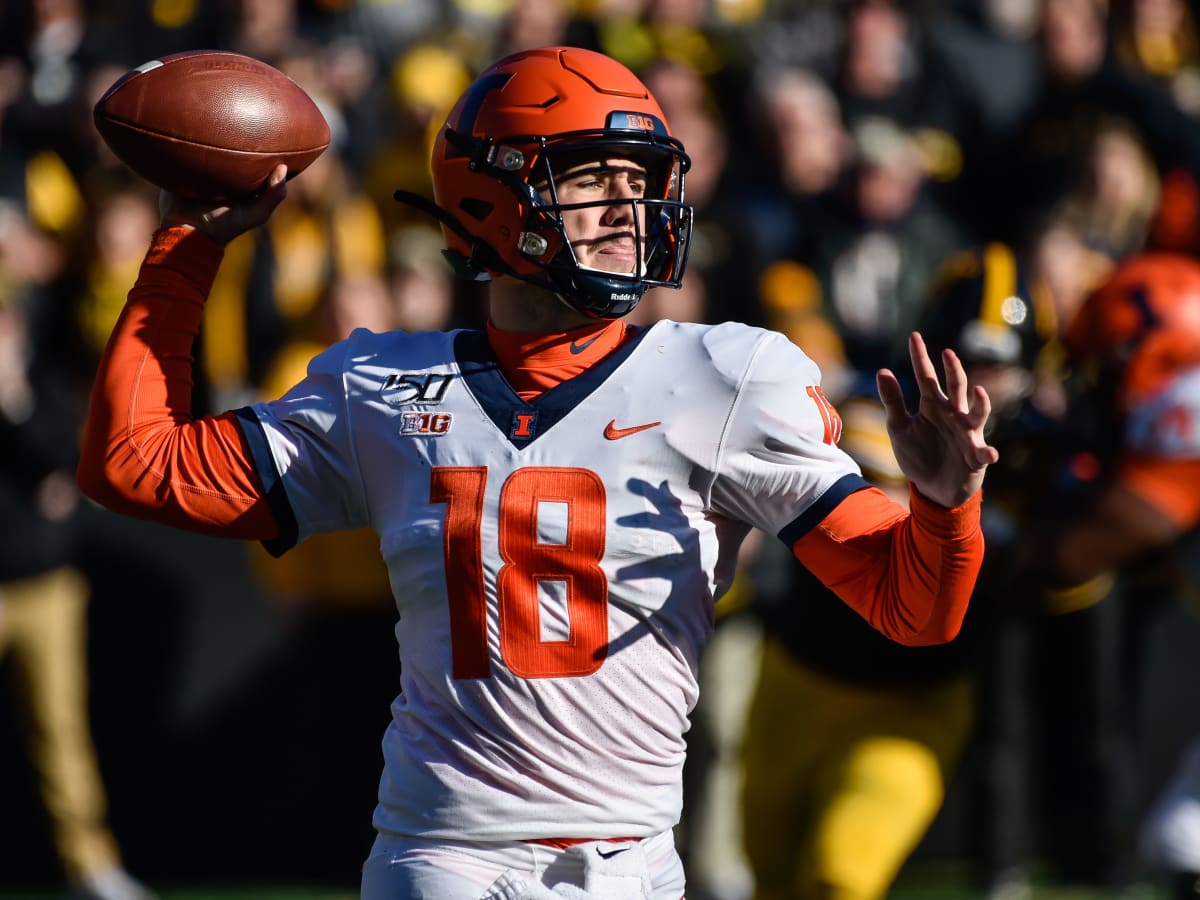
613 433
579 348
611 853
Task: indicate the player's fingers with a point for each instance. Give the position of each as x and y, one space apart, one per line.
981 407
225 223
892 398
984 455
956 380
923 370
977 416
272 195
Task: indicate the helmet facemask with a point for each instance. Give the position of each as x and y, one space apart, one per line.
659 226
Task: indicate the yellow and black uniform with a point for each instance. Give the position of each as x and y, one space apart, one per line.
872 729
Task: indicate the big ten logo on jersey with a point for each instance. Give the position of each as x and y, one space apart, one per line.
425 423
409 388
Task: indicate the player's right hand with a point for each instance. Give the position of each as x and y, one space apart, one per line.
941 449
224 222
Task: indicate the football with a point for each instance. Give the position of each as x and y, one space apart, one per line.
210 124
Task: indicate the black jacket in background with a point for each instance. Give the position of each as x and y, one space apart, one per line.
31 448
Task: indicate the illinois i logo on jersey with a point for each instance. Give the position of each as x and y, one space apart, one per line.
523 425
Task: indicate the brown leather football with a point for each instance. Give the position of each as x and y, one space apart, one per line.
210 124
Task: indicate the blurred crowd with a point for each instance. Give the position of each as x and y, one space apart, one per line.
859 168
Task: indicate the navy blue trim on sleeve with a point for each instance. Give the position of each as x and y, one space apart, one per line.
811 517
264 465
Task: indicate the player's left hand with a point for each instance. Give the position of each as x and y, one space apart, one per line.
941 448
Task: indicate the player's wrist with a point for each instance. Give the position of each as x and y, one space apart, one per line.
185 249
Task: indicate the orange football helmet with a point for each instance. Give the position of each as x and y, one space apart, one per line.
1143 322
495 161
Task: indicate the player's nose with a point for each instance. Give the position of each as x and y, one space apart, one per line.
620 188
620 212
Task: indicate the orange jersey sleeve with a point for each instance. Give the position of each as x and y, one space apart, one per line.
1169 485
143 453
909 574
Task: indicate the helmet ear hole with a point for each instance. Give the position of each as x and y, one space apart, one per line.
476 208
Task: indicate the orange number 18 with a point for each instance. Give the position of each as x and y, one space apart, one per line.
527 561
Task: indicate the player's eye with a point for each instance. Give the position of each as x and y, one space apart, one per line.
586 182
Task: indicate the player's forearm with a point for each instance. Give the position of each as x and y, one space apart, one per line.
910 575
143 453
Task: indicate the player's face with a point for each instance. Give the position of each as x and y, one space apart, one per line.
604 237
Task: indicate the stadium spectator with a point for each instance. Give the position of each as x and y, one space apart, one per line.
44 598
782 191
1081 89
1115 196
1159 39
879 246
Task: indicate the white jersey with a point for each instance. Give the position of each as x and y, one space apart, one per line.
554 563
1167 425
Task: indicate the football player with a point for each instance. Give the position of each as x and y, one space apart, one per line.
851 738
1136 341
559 497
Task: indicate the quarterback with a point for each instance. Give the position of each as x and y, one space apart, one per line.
559 497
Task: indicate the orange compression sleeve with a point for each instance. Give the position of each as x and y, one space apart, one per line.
909 574
143 453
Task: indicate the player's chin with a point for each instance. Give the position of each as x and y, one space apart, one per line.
618 262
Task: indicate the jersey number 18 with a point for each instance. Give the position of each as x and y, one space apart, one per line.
527 561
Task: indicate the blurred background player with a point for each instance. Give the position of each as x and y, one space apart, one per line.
875 731
999 309
1136 348
1049 777
849 742
44 598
